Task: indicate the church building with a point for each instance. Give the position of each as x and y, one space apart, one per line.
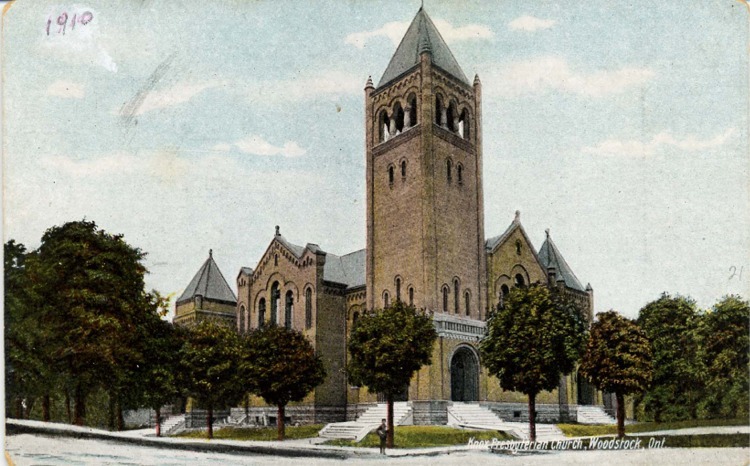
425 246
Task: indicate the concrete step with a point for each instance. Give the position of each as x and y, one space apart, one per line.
594 415
367 422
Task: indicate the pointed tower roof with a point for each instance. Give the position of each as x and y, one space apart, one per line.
550 256
422 36
209 283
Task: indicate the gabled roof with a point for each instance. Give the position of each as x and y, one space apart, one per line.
348 270
550 256
209 283
421 36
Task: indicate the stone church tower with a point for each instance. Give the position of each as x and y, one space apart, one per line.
425 215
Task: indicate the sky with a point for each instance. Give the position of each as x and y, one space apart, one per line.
620 126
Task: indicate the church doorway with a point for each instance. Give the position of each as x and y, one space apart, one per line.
464 375
586 392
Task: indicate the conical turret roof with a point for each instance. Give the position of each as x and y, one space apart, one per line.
209 283
422 36
550 256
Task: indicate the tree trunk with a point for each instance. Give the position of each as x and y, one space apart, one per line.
111 412
67 405
29 406
79 416
389 420
210 421
532 417
19 407
120 416
620 415
158 422
280 427
45 407
247 408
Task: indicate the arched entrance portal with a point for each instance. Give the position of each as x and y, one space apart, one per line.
464 375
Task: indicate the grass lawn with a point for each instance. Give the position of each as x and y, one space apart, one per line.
425 436
256 433
583 430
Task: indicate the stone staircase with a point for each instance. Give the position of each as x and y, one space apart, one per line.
366 422
594 415
473 416
173 424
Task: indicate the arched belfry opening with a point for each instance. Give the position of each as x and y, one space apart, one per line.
464 375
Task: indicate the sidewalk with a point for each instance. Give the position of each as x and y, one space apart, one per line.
289 448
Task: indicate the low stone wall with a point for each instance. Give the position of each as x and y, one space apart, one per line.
197 418
302 415
519 412
430 412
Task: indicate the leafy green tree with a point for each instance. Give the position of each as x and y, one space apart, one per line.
25 365
671 325
531 341
156 377
281 366
386 348
210 367
617 360
90 287
725 340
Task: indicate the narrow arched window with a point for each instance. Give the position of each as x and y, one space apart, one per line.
275 298
449 170
467 302
386 299
242 319
445 299
460 173
451 117
398 288
275 259
411 296
520 282
438 110
288 309
390 175
456 296
308 308
355 317
384 124
413 110
262 312
403 169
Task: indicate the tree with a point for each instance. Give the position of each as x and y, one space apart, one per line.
25 365
157 382
209 363
90 290
671 325
531 341
386 348
282 367
617 360
725 340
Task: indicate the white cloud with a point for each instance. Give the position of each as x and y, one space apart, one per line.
175 95
118 162
395 31
256 145
468 32
66 90
530 23
634 148
546 74
324 85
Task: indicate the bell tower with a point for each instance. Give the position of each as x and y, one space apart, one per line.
425 212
